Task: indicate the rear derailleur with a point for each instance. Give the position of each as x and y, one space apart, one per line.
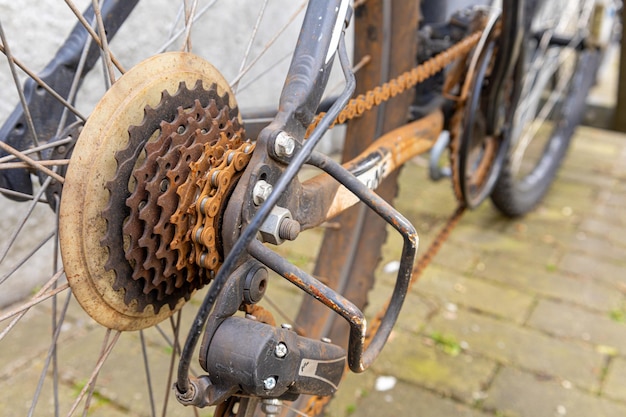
248 358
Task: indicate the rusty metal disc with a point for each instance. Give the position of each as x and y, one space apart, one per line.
85 214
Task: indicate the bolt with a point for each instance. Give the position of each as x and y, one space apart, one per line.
289 229
269 383
284 144
286 326
261 191
326 340
271 406
280 350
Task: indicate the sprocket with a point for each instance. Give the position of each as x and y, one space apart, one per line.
184 122
133 154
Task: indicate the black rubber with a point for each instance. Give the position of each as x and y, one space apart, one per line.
514 196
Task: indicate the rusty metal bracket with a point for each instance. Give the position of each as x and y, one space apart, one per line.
359 358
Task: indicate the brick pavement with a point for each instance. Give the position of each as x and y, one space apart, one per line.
515 318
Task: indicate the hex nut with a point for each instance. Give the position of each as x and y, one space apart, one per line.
284 144
261 192
271 228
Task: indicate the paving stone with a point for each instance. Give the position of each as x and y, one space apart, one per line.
406 400
615 383
547 282
564 320
16 397
30 339
580 198
411 361
523 347
609 214
599 247
129 390
492 298
494 244
456 257
607 230
353 388
590 267
519 394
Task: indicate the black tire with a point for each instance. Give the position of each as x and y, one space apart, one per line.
518 190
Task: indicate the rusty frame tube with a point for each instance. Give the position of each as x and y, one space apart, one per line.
373 165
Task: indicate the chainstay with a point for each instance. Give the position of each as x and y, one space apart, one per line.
316 404
364 102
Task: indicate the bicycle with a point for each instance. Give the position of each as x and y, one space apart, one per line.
165 194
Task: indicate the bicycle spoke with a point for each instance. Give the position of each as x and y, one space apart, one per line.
19 195
189 15
44 85
250 42
51 357
24 219
262 73
173 356
42 295
176 35
104 45
26 257
146 365
268 44
106 351
289 320
20 90
32 163
75 83
45 146
92 33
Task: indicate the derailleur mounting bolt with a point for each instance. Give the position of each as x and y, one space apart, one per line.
281 350
269 383
284 144
261 191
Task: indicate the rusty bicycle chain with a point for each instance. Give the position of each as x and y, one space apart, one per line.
365 102
205 179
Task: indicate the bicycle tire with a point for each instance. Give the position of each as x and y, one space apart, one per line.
518 189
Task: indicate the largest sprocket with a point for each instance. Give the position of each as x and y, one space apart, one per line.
137 148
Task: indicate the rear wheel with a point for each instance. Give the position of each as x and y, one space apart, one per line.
559 63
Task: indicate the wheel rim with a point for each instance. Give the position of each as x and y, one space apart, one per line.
549 71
